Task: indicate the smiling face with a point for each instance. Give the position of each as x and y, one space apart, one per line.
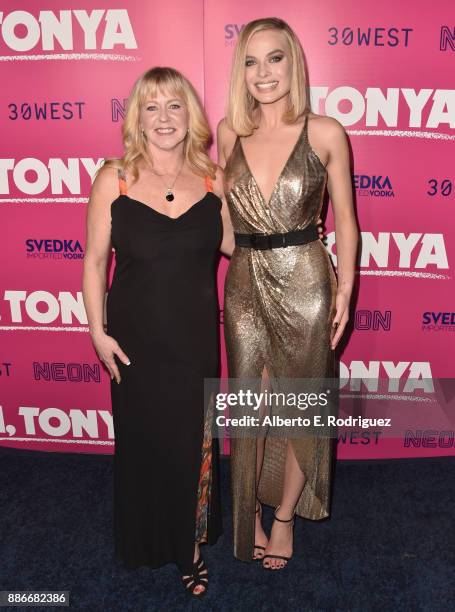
164 119
268 66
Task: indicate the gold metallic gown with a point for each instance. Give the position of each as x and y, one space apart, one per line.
279 307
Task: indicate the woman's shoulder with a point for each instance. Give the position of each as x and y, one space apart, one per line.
106 183
111 170
224 129
224 133
325 128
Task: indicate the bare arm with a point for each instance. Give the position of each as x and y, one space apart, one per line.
227 244
346 233
225 140
97 251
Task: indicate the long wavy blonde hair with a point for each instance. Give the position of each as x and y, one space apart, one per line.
195 145
241 104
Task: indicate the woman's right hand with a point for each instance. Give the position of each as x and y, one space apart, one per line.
106 347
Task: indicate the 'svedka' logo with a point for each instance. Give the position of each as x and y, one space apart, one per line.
52 248
374 186
438 321
231 33
55 32
398 254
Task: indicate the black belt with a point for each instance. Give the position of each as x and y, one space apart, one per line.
263 242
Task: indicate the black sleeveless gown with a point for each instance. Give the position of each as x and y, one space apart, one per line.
162 309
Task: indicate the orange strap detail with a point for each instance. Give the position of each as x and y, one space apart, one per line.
121 182
122 186
208 183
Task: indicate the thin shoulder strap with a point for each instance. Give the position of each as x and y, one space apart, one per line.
122 182
208 184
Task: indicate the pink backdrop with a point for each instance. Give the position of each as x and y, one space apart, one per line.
386 75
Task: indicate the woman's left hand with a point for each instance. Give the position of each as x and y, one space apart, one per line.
341 318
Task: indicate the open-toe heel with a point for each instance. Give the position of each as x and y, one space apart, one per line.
199 576
284 558
257 546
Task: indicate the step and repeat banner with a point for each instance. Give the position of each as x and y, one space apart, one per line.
387 76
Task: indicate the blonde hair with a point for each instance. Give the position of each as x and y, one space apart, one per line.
134 141
241 104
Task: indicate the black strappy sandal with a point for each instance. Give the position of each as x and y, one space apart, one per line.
197 578
259 509
287 559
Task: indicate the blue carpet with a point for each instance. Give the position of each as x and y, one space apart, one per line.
389 544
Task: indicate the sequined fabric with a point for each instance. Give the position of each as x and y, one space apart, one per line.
279 306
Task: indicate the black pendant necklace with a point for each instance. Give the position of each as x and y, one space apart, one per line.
169 193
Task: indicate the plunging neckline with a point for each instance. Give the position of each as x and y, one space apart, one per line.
267 203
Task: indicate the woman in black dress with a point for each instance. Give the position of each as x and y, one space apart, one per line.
162 210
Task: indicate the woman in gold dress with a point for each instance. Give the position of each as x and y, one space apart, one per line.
285 310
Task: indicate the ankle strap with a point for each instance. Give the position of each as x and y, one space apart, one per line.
283 520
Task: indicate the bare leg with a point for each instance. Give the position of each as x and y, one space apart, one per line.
280 542
260 538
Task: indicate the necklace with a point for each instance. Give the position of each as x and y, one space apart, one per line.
169 193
